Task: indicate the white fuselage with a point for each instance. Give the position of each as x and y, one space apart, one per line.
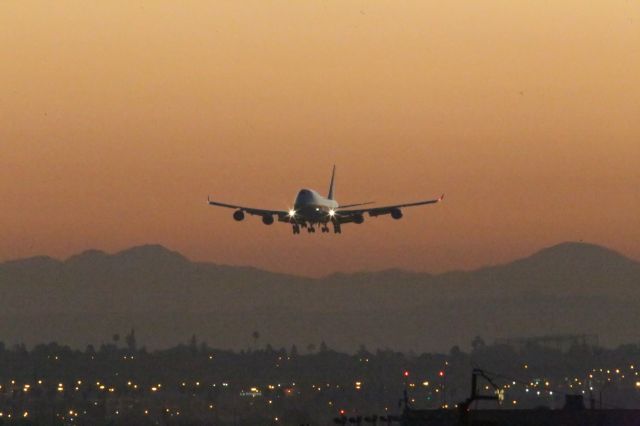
312 207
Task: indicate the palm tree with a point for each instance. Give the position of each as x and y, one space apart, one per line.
256 336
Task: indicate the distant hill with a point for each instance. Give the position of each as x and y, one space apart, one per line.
567 288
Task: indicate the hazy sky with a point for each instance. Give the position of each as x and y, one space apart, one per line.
118 118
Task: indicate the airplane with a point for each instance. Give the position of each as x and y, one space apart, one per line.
311 210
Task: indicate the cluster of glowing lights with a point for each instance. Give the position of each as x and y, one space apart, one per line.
537 387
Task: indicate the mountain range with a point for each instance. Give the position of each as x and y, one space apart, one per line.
567 288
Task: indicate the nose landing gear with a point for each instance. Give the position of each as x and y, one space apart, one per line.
336 228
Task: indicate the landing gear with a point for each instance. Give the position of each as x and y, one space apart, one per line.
336 228
311 227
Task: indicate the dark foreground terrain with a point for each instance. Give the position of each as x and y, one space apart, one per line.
192 383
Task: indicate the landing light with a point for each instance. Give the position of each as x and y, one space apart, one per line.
332 213
292 213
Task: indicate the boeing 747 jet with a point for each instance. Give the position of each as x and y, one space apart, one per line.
311 210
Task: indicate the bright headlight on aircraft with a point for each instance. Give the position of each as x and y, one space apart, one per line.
292 213
332 213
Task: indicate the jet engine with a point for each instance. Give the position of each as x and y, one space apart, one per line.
396 213
358 219
238 215
267 219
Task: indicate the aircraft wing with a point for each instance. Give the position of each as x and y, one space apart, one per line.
249 210
346 215
355 205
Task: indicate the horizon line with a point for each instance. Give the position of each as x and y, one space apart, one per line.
328 275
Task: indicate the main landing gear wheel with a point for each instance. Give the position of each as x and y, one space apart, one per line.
325 229
296 229
336 228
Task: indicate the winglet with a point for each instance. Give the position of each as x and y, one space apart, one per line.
441 198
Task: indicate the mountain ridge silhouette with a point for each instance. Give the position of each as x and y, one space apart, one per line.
566 288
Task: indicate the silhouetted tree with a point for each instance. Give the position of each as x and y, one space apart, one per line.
363 352
455 351
20 349
193 345
90 350
256 337
478 343
130 340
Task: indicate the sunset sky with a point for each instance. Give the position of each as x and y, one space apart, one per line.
118 118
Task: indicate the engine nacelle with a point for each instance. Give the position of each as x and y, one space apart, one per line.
358 219
267 219
396 213
238 215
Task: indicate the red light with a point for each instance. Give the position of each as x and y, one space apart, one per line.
441 373
342 412
406 374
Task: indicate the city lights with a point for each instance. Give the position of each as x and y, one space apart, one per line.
189 394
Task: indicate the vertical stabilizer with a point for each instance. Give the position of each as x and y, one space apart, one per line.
332 184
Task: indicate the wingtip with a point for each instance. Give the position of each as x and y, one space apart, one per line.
441 197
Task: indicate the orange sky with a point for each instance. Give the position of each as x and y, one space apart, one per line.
118 118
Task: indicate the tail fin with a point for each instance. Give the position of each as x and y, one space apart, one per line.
332 184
